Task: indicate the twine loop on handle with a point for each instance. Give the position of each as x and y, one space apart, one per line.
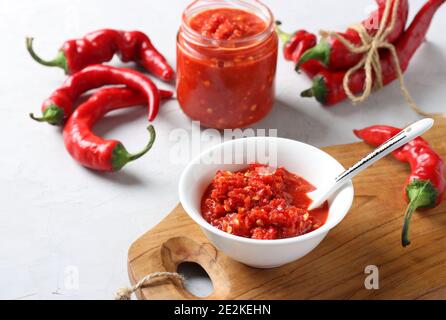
126 293
371 60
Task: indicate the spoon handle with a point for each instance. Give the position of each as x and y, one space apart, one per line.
405 136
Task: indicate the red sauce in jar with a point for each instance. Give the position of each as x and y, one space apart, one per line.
261 203
226 66
227 24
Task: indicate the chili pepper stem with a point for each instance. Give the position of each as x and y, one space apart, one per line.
422 194
284 37
149 145
38 119
407 217
307 93
52 114
121 156
60 61
318 90
320 52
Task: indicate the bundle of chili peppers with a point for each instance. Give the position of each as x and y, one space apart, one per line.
81 59
327 63
426 185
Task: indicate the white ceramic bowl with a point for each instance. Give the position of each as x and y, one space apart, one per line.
311 163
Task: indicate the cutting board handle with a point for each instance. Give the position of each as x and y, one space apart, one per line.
176 251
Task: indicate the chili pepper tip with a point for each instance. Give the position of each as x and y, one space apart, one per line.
168 75
166 94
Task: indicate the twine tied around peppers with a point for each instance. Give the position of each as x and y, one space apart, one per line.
371 60
126 293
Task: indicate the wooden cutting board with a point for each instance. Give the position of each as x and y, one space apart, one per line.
369 235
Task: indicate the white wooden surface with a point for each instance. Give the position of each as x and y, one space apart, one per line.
64 230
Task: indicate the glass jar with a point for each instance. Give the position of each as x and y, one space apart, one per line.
226 83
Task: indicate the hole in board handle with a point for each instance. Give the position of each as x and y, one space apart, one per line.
198 282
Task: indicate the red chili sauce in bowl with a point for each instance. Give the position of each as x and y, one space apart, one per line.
261 203
226 66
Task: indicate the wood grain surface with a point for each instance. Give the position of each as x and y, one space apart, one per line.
369 235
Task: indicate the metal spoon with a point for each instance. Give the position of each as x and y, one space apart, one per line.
320 195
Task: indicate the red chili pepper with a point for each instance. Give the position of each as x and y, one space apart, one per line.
59 106
328 87
426 184
100 46
297 44
293 42
335 56
95 152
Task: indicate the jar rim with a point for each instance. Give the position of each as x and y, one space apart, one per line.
193 34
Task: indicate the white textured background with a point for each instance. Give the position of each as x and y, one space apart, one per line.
57 218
